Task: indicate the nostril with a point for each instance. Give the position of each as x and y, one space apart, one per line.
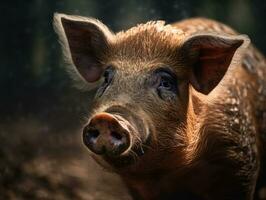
90 135
116 135
93 134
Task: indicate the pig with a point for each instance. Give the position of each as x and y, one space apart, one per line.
180 109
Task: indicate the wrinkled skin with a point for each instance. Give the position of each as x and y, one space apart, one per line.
184 97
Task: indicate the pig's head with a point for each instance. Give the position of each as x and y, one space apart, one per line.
144 76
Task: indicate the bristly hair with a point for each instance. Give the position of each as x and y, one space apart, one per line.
148 41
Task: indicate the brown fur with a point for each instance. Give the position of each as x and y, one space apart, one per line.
207 146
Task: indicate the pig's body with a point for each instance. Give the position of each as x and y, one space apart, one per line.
228 132
210 145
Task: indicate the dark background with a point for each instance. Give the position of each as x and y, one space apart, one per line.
41 153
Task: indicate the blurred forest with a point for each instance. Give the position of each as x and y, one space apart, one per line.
41 153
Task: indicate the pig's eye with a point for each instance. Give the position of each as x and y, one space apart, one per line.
108 77
166 84
167 81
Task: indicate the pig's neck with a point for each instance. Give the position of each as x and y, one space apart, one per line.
178 182
166 185
174 182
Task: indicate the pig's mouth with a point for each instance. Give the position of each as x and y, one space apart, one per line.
116 137
121 162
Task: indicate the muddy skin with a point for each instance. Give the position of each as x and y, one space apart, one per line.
180 110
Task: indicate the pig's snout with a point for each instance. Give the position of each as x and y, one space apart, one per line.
107 134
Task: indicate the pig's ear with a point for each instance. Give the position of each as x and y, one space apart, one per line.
209 57
85 43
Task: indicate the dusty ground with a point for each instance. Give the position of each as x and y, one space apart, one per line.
40 162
